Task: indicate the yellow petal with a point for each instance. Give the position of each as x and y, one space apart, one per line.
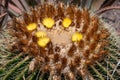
31 26
77 37
40 34
42 42
66 22
48 22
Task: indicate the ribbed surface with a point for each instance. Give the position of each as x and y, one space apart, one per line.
16 67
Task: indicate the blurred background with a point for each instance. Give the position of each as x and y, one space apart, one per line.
15 67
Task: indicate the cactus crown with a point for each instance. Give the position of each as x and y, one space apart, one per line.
62 39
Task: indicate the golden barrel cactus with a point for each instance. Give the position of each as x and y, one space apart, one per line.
62 39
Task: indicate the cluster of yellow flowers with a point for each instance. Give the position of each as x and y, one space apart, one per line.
43 40
49 22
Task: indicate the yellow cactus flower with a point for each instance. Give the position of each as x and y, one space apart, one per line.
31 26
42 42
66 22
48 22
40 34
77 37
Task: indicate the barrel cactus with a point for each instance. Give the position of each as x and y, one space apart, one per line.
60 40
